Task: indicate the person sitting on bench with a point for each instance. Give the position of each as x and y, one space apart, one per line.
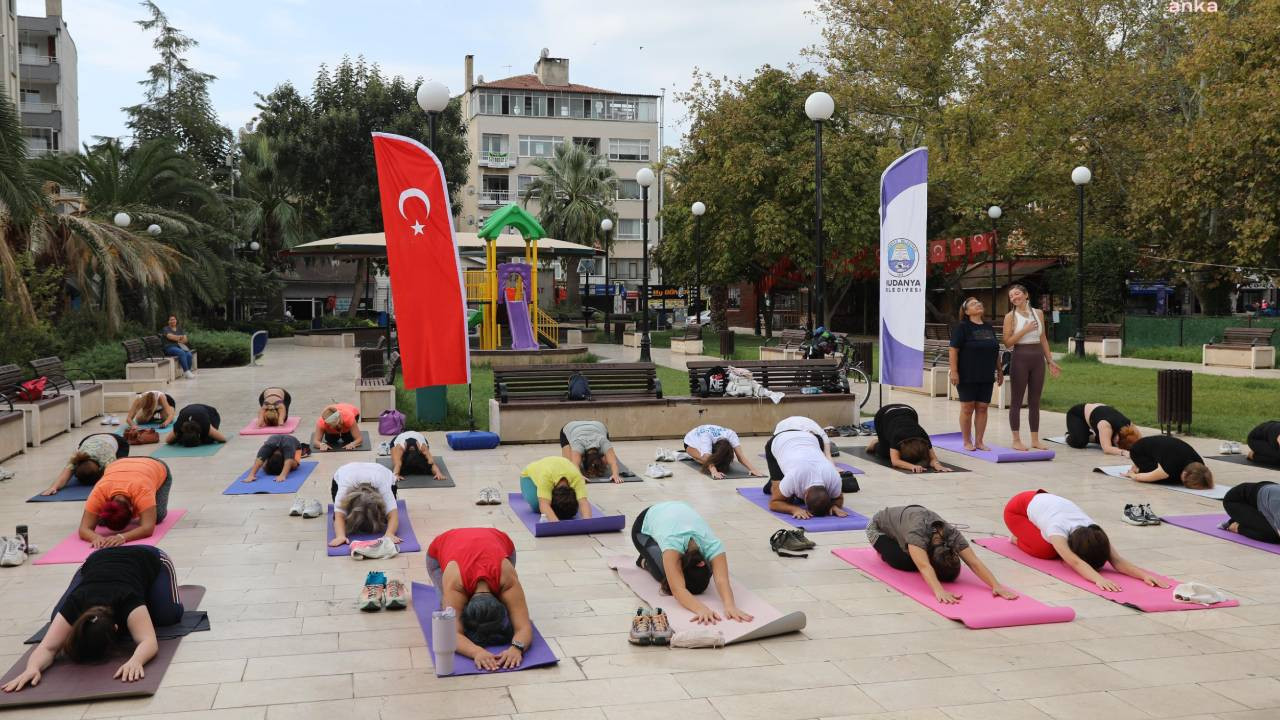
117 590
278 456
134 487
678 549
474 572
1168 460
338 427
900 440
364 501
411 455
1103 424
802 481
94 454
1264 443
196 425
586 444
554 488
1050 527
273 407
151 406
1253 510
714 448
913 538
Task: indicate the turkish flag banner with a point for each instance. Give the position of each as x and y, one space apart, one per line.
938 251
978 243
957 247
422 258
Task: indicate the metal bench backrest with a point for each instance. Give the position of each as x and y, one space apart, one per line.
1102 330
10 378
51 367
155 346
135 350
937 331
1247 336
785 376
551 382
693 331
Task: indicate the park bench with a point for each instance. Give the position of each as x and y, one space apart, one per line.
788 347
87 398
376 386
759 416
688 341
937 362
140 364
13 431
1101 339
529 402
44 418
1242 347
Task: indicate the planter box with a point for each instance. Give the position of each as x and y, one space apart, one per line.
999 394
1106 347
1258 356
686 347
631 339
374 399
936 383
13 434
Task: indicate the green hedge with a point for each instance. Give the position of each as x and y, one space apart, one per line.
106 360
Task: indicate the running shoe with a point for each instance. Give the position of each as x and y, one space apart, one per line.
1235 448
115 420
641 628
657 471
384 448
664 455
1224 448
1134 515
397 597
372 598
482 497
1149 514
5 474
13 551
313 509
299 505
495 497
660 628
106 420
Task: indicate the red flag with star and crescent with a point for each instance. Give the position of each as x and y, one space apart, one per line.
422 257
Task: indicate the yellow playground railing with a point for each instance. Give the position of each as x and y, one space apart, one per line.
548 328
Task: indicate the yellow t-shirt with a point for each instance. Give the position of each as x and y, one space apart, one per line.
545 473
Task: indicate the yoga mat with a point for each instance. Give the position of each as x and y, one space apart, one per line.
1062 440
862 451
1242 460
1133 592
72 491
65 682
623 470
425 602
1208 524
840 466
598 522
74 550
766 621
267 483
364 445
829 523
176 451
253 428
977 609
1217 492
408 540
192 621
162 429
737 471
422 481
997 454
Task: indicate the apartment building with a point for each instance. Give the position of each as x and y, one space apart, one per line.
513 121
47 94
9 50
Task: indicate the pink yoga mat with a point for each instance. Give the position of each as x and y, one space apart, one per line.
997 454
977 608
75 550
286 429
767 620
1133 593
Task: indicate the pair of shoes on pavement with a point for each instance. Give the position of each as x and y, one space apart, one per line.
189 375
379 549
1140 515
656 471
13 551
650 629
384 448
306 508
5 474
377 594
664 455
1229 448
489 496
109 420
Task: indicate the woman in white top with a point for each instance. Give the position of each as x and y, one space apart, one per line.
1050 527
152 406
411 454
364 501
1024 333
714 448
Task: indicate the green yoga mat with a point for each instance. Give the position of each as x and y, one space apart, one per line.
179 451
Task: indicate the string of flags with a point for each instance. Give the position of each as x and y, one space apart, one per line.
961 247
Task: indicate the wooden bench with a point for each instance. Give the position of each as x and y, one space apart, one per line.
937 363
376 386
689 341
142 365
1242 347
788 347
87 395
44 418
529 403
1101 339
784 376
155 348
13 431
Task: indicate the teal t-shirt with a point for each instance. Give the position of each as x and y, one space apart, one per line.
673 524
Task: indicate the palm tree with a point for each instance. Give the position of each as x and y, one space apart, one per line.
271 211
20 200
575 191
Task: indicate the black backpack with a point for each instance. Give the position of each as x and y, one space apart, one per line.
713 382
579 388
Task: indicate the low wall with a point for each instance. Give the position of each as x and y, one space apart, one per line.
545 356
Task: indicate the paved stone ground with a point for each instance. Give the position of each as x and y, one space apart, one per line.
287 641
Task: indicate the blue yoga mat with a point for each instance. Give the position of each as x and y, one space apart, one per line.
71 492
267 483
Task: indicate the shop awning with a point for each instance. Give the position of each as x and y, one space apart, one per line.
375 245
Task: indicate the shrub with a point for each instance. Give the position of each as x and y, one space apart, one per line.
224 348
23 341
342 321
104 360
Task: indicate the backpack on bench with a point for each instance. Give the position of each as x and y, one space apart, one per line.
579 388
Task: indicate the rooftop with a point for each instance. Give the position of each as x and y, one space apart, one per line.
530 81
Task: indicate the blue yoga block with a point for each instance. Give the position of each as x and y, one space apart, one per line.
474 440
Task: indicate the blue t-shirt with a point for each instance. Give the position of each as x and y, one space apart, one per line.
673 524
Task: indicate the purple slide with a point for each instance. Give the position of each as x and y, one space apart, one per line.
521 328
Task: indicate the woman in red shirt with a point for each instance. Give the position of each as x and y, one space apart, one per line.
338 427
474 572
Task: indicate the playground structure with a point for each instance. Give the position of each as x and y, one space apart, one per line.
515 284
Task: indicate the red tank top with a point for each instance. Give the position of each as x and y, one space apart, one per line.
478 551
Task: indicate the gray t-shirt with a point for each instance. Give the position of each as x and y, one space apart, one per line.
166 331
912 525
287 444
586 434
1269 503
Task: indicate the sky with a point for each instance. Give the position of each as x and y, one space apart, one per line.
254 46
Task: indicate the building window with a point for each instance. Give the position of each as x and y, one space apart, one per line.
590 143
624 149
494 143
539 145
633 269
628 190
495 190
735 298
523 182
628 229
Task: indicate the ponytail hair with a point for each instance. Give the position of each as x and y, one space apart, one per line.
271 416
91 635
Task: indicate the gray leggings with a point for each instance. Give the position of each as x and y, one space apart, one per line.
436 573
162 493
1026 372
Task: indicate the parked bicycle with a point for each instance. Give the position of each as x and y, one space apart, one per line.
852 373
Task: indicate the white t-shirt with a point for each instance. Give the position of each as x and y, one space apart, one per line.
352 474
411 435
799 422
811 472
703 437
1055 515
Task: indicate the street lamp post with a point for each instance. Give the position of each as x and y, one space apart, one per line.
433 98
606 225
819 107
1081 177
994 212
698 209
644 176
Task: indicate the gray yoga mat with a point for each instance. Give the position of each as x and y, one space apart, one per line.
623 470
736 472
1240 460
422 481
364 445
862 453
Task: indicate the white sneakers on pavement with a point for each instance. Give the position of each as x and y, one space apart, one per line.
656 471
13 551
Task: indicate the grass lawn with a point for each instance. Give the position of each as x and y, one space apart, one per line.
456 398
1176 353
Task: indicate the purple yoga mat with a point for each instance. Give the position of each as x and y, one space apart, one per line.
408 540
1208 524
997 454
598 522
829 523
425 601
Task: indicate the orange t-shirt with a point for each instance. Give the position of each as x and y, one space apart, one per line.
136 478
348 414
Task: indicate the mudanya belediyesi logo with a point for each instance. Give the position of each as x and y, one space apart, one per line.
903 256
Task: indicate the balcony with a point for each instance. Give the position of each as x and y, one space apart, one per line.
497 159
38 107
36 60
496 198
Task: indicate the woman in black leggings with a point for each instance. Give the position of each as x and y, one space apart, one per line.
1254 511
1024 333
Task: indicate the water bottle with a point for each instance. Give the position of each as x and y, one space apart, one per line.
444 640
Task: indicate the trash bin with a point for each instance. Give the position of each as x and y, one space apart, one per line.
619 327
860 355
726 344
1173 400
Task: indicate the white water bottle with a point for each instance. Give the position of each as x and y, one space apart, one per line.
444 639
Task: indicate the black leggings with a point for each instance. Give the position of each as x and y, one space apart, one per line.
650 553
1079 434
1026 372
893 555
163 603
1241 504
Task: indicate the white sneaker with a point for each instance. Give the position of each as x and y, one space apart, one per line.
656 471
379 549
313 509
115 420
5 474
495 497
1224 448
682 455
106 420
299 504
188 375
482 497
1235 448
664 455
384 448
14 552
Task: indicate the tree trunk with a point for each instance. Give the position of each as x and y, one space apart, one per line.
572 284
357 290
720 307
